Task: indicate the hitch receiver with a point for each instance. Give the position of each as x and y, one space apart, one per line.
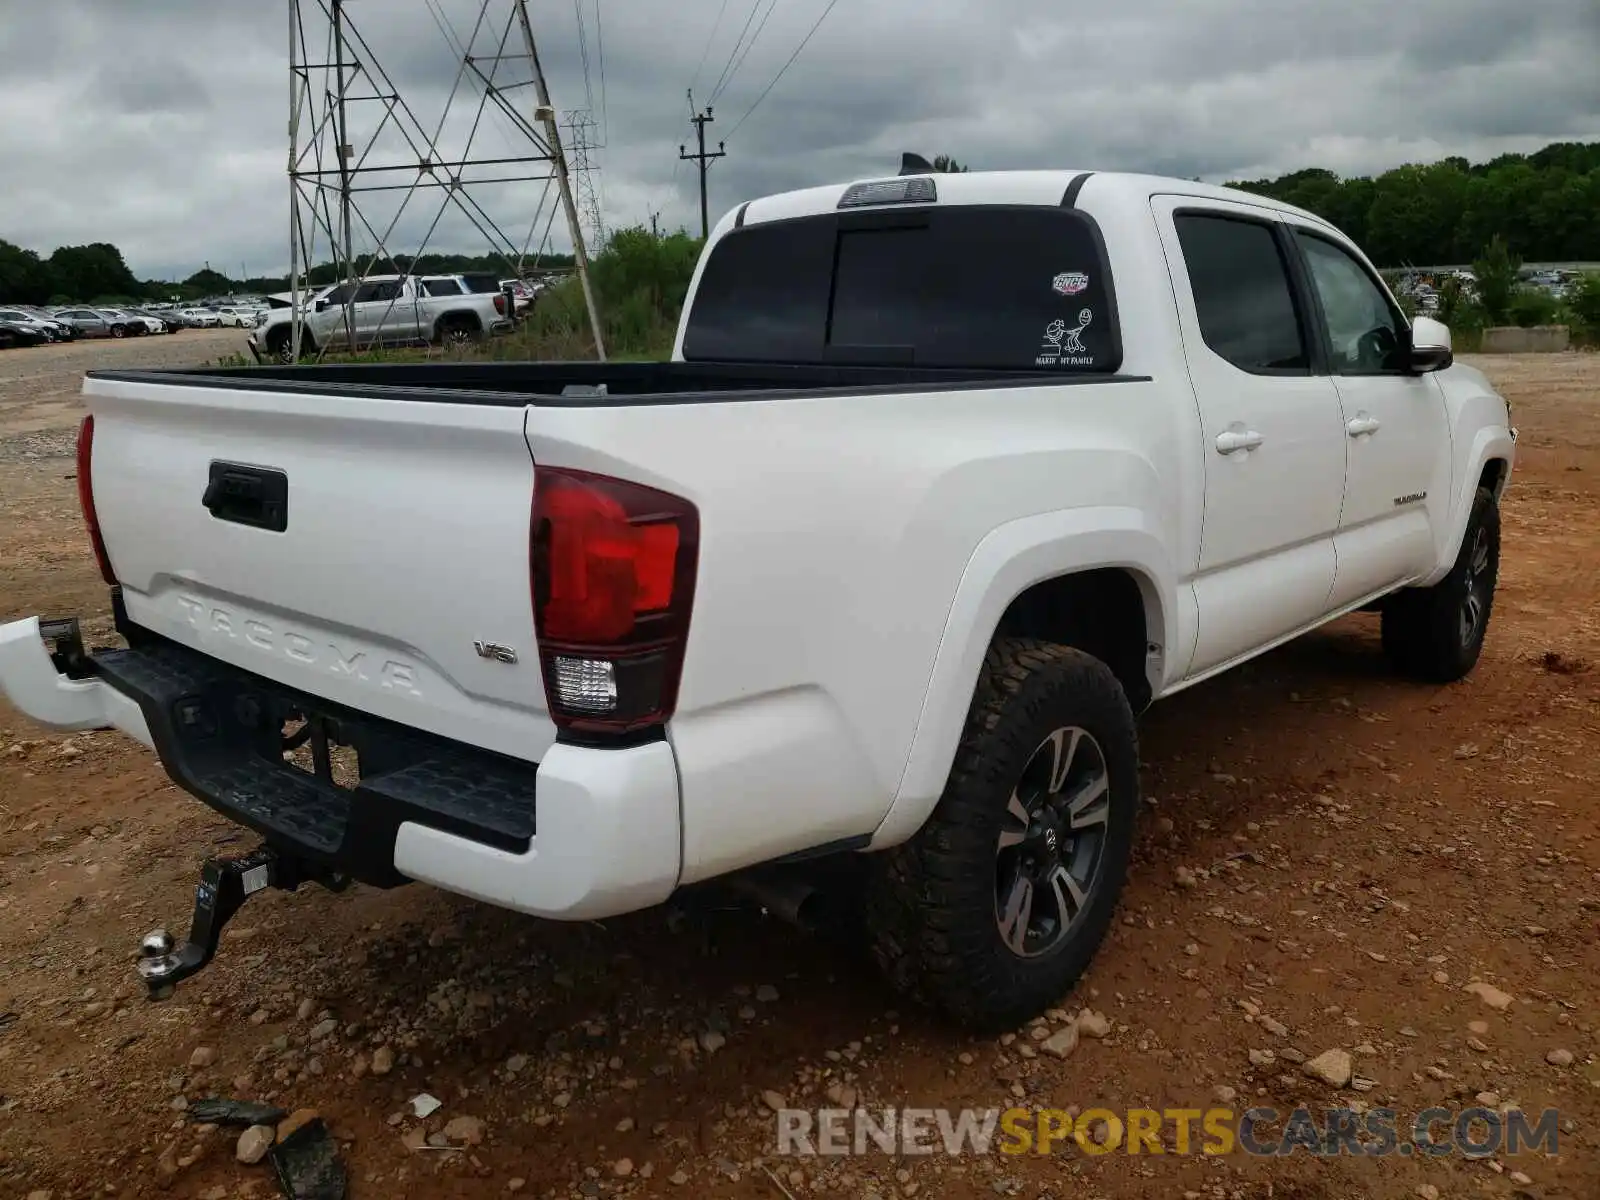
225 884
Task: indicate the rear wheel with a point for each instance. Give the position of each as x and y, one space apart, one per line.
119 331
997 905
458 332
1437 633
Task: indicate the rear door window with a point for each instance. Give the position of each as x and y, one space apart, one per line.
1242 294
1005 288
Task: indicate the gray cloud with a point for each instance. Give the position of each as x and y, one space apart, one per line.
161 126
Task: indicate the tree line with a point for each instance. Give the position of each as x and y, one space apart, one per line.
1545 206
97 272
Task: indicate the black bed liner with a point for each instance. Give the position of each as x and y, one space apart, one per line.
516 384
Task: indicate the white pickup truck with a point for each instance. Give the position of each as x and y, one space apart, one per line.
385 310
948 478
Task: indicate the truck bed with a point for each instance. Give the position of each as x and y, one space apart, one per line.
577 384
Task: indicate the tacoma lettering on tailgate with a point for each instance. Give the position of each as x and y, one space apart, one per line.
212 618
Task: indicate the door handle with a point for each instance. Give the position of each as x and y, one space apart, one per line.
1231 441
1362 424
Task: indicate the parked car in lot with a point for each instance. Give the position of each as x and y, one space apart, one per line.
160 319
21 333
53 330
91 322
133 322
238 317
386 310
948 478
199 318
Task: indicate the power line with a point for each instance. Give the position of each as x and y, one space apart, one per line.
706 53
716 88
749 46
583 51
600 38
785 67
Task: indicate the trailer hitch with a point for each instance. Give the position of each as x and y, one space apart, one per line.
225 884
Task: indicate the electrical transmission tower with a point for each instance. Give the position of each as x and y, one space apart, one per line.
580 126
371 181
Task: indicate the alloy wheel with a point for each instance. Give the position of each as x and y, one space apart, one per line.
1474 599
1052 842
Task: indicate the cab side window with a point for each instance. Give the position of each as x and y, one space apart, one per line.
1366 333
382 291
1242 293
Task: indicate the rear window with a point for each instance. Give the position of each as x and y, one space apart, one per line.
1005 288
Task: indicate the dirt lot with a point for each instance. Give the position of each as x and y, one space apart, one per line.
1329 858
39 386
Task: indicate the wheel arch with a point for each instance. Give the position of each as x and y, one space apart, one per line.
1098 578
1490 461
285 333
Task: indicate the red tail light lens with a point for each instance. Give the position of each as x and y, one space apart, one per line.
86 498
500 303
613 571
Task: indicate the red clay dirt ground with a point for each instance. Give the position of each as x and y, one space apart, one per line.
1328 858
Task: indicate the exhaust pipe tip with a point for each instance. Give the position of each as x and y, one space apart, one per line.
791 900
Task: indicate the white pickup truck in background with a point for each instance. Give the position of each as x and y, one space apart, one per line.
383 310
948 478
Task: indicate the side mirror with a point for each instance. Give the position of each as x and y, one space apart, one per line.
321 306
1430 346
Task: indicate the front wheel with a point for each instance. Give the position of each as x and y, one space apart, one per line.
280 345
992 911
1437 633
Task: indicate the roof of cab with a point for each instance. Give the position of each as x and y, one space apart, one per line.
1011 187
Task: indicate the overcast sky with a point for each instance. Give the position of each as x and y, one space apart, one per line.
160 125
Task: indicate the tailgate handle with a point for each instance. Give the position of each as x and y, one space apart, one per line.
252 496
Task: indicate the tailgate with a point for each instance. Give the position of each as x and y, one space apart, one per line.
404 546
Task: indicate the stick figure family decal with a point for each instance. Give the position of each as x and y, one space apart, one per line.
1063 343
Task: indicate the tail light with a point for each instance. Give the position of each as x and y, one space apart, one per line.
613 571
500 303
86 498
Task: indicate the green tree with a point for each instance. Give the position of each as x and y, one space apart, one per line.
23 277
1496 270
1542 204
944 164
93 270
207 281
1584 302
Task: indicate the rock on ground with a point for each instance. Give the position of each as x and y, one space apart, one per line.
1490 995
254 1143
1333 1067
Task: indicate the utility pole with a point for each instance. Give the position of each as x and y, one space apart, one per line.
655 225
703 158
546 111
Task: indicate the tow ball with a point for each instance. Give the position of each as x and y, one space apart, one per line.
225 884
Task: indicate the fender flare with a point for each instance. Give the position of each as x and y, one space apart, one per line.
1009 560
1494 442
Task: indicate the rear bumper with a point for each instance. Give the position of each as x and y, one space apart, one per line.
30 680
585 833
